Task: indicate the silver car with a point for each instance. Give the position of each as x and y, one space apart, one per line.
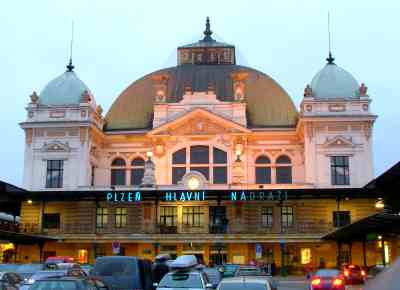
244 283
184 279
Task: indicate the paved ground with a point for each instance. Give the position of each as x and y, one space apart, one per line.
299 283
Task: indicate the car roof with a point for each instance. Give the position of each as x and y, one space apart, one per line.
245 279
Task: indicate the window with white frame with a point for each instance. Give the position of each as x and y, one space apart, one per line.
265 170
210 161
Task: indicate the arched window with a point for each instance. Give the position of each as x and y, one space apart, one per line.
263 170
283 170
118 169
137 171
209 161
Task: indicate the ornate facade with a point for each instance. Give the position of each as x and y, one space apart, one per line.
206 124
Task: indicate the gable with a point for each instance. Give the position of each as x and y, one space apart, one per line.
339 141
199 122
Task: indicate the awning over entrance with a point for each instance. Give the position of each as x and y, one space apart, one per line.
384 223
22 238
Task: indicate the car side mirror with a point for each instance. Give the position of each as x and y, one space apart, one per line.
155 284
209 285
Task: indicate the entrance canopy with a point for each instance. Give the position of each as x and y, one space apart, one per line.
22 238
367 228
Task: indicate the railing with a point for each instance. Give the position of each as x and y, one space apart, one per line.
229 228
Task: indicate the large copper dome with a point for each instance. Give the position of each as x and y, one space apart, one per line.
268 105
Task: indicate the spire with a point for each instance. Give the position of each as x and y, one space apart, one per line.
70 67
207 32
330 58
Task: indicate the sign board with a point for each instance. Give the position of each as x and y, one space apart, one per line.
116 247
258 251
371 237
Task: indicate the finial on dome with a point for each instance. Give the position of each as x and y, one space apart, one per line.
330 59
70 66
207 32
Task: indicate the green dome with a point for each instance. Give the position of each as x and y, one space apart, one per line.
66 89
268 105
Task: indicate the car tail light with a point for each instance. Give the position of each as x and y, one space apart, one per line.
363 273
316 282
346 273
337 282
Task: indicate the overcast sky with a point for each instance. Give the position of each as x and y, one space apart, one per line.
117 42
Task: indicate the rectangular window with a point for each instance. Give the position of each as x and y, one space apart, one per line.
267 217
51 220
193 216
168 216
305 256
220 175
118 176
54 175
284 175
137 176
121 215
287 216
101 217
341 218
340 174
263 175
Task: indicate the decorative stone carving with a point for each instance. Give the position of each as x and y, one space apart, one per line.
149 177
85 97
238 173
365 107
55 146
99 110
160 85
340 141
239 85
337 108
308 91
30 114
34 98
308 108
367 128
363 90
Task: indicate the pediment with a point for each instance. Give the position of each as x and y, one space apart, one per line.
199 122
339 141
55 146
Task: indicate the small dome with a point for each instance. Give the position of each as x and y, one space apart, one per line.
334 82
67 89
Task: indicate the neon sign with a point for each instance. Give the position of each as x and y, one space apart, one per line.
185 196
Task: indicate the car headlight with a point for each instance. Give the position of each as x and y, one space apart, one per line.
30 281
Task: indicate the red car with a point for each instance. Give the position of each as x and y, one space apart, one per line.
353 274
327 279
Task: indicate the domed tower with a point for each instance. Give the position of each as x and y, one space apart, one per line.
337 124
58 127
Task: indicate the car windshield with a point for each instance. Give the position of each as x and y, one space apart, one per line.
327 273
29 268
241 286
54 285
354 268
213 275
113 267
230 268
181 280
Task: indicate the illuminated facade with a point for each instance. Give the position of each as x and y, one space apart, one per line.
204 125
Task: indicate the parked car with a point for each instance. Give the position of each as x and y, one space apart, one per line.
214 276
11 278
244 283
123 272
327 279
70 283
27 270
60 259
193 279
4 285
229 270
254 271
50 274
353 274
